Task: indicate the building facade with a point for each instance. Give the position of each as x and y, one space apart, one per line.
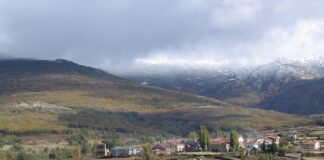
219 145
102 151
312 144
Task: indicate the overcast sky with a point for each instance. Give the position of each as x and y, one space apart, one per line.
116 34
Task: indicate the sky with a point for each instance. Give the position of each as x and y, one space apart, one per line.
117 35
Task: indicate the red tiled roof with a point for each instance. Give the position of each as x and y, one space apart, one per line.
311 142
219 141
251 141
273 138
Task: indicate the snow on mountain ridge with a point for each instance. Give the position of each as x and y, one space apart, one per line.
305 68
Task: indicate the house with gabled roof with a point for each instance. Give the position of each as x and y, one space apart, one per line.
269 139
220 144
158 148
167 147
311 144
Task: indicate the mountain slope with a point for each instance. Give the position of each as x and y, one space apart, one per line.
302 97
243 86
56 96
34 75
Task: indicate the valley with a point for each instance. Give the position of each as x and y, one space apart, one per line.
161 80
60 100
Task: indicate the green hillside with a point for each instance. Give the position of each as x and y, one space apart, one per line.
39 96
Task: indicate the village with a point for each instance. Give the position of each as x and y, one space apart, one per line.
233 145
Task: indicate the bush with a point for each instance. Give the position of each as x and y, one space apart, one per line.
320 122
85 148
17 147
7 155
146 151
30 156
61 154
268 157
24 156
309 154
77 139
80 139
9 139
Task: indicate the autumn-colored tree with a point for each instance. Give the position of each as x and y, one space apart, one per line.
193 135
146 148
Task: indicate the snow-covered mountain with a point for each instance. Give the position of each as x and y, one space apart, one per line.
247 85
306 68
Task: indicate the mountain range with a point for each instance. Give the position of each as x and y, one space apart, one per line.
286 85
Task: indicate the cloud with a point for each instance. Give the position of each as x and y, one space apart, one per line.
235 13
115 35
300 40
194 6
3 36
305 38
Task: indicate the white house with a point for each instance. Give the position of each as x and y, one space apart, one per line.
180 147
292 136
253 143
135 150
125 151
312 144
167 147
102 151
177 144
241 141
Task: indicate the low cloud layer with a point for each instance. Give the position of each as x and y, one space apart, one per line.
116 35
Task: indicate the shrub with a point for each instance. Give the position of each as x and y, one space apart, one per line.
9 139
77 139
17 147
30 156
7 155
320 122
85 148
61 154
146 151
